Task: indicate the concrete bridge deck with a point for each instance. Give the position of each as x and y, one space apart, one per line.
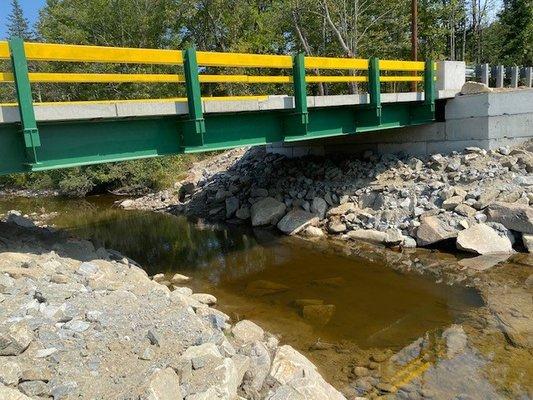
68 111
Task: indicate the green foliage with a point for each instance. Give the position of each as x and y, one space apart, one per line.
135 177
17 24
516 30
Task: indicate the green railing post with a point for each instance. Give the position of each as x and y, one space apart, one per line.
25 99
429 85
300 87
374 87
194 127
296 122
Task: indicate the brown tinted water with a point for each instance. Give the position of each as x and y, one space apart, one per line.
262 276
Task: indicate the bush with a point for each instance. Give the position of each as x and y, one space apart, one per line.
131 177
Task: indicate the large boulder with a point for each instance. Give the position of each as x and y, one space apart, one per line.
433 230
517 217
267 211
296 220
482 239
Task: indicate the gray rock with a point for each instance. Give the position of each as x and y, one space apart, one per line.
243 213
259 366
34 388
77 325
88 268
319 207
64 390
336 227
14 339
516 217
472 87
527 240
391 237
482 239
16 218
232 205
11 394
246 332
205 298
10 372
164 385
433 230
313 231
295 221
267 211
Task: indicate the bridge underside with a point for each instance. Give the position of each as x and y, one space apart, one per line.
88 141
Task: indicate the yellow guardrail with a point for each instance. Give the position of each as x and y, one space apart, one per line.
120 55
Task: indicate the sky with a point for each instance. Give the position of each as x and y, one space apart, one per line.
31 11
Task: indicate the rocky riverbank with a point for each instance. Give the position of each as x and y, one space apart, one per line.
477 201
86 323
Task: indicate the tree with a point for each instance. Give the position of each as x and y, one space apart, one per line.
516 29
17 23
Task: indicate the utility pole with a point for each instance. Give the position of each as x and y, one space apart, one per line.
414 35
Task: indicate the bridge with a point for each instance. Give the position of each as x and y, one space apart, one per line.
41 136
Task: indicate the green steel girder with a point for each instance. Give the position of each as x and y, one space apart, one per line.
78 143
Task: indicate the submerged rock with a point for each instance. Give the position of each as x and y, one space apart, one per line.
263 288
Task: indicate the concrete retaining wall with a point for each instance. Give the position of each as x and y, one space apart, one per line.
488 121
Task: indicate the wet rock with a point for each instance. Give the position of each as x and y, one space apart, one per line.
16 218
516 217
205 298
433 230
484 262
336 227
14 339
164 385
318 314
391 237
267 211
308 302
313 232
295 221
263 288
246 332
482 239
361 371
456 340
180 279
512 309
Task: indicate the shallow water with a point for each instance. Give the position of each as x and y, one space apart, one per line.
367 304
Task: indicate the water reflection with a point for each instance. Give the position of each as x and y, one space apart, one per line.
319 295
